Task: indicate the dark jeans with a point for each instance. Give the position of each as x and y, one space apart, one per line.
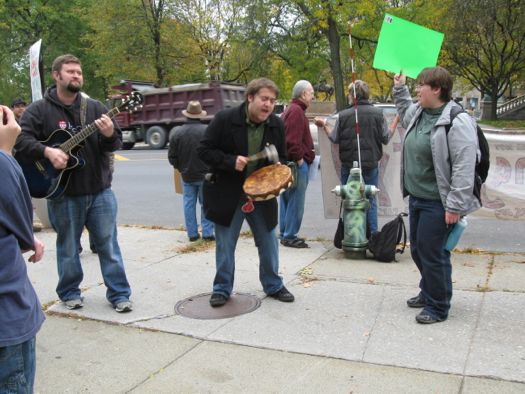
267 246
17 368
428 234
291 205
98 213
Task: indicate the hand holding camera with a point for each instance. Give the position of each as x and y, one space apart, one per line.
9 129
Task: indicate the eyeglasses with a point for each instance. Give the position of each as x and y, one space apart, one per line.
265 99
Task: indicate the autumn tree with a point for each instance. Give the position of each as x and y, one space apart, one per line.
486 44
212 25
22 23
146 44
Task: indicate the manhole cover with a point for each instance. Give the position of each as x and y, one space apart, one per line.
198 307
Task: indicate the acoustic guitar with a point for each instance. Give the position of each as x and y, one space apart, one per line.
44 180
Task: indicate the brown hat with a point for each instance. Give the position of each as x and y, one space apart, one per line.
194 110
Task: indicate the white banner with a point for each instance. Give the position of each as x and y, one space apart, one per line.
503 194
34 71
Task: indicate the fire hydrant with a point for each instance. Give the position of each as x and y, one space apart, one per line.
355 195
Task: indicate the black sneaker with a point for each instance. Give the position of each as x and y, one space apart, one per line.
294 243
283 295
217 299
209 238
426 318
416 302
193 239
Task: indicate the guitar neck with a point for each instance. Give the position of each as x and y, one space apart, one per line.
84 133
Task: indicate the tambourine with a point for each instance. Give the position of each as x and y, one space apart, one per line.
268 182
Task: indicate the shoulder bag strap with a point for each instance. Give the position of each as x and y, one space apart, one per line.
83 110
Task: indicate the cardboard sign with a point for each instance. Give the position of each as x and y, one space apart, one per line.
177 181
407 47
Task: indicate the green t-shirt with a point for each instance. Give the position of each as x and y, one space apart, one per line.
255 137
419 175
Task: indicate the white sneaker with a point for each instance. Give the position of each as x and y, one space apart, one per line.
123 306
74 304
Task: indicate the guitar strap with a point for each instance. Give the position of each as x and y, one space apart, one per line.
83 110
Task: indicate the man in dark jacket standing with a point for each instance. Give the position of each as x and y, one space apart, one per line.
182 155
87 199
232 136
300 148
373 133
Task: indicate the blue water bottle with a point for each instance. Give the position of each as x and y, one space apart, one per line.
455 234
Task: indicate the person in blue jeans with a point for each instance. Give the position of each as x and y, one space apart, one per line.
182 155
300 150
232 136
437 173
21 313
373 134
87 199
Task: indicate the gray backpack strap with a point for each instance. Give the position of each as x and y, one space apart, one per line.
83 110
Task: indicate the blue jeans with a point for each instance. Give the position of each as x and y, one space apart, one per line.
193 192
370 177
291 206
267 246
428 234
98 212
17 368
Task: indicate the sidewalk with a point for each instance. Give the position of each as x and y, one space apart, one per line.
349 330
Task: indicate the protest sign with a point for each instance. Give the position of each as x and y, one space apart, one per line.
407 47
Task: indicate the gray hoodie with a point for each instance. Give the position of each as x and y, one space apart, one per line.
454 155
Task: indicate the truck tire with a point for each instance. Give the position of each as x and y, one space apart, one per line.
156 137
128 145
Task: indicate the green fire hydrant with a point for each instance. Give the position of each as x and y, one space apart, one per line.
355 195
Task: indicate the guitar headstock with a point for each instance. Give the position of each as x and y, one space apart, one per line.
132 102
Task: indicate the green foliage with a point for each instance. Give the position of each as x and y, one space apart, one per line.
121 40
237 40
518 125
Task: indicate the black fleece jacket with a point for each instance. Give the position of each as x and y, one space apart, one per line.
45 116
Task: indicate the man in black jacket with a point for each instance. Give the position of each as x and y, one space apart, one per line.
182 155
87 199
232 136
373 133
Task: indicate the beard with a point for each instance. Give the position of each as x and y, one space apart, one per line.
73 88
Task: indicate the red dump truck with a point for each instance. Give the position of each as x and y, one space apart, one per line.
162 108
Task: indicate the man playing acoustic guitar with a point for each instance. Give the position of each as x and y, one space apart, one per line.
86 199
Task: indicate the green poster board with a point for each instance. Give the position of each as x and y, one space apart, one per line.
403 45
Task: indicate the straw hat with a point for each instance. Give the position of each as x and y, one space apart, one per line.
194 110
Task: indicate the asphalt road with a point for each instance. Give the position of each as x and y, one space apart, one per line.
143 183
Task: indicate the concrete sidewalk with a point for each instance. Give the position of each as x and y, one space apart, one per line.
349 330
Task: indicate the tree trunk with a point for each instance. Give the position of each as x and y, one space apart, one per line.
494 104
334 40
493 108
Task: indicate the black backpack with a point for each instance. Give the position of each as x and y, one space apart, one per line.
384 244
482 166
